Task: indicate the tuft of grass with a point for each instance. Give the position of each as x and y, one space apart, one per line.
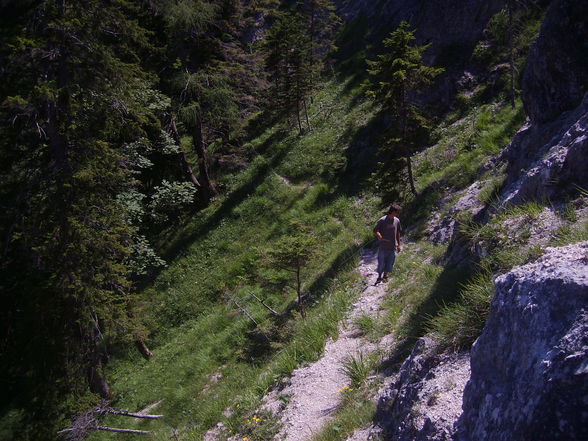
259 426
569 234
357 368
459 324
357 410
568 213
490 192
365 323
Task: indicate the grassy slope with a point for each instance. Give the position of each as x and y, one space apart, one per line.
208 355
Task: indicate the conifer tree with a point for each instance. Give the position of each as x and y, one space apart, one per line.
202 94
289 64
321 24
75 96
397 75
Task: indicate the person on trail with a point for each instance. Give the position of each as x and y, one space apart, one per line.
387 231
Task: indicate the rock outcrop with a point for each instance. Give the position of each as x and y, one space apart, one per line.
548 158
562 164
556 74
529 378
424 401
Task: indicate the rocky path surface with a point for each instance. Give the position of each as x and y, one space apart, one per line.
314 391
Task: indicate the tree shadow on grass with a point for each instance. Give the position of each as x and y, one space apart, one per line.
190 233
260 345
445 291
361 155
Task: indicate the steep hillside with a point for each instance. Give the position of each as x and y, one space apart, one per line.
267 322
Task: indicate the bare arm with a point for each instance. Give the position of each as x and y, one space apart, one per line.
377 231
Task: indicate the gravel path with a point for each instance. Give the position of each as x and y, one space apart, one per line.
313 390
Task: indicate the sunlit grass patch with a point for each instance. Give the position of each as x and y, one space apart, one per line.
465 145
355 411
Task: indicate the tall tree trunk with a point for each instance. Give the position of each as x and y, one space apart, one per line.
311 32
143 349
96 380
511 53
306 115
407 149
57 108
57 142
298 117
410 176
299 289
182 154
207 186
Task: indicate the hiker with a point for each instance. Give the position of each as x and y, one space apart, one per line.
387 231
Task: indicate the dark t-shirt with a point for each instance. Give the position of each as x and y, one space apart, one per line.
387 228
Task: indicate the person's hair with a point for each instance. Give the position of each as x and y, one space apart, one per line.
394 208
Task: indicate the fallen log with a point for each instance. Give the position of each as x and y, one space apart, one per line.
114 429
136 415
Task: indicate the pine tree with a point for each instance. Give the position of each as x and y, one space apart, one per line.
290 67
397 76
75 96
321 24
203 96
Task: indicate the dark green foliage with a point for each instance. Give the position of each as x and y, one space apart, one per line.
105 106
297 46
74 97
321 23
503 51
397 75
289 64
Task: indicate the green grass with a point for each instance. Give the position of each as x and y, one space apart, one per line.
459 324
569 234
213 362
357 368
355 411
465 145
366 324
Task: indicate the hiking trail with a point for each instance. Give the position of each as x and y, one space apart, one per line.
314 391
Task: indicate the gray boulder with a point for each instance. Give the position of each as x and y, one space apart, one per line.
529 368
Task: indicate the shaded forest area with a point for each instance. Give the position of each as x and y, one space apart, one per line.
118 118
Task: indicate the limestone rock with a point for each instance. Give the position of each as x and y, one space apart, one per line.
529 378
424 402
562 163
551 152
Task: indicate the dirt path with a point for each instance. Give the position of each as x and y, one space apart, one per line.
314 390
